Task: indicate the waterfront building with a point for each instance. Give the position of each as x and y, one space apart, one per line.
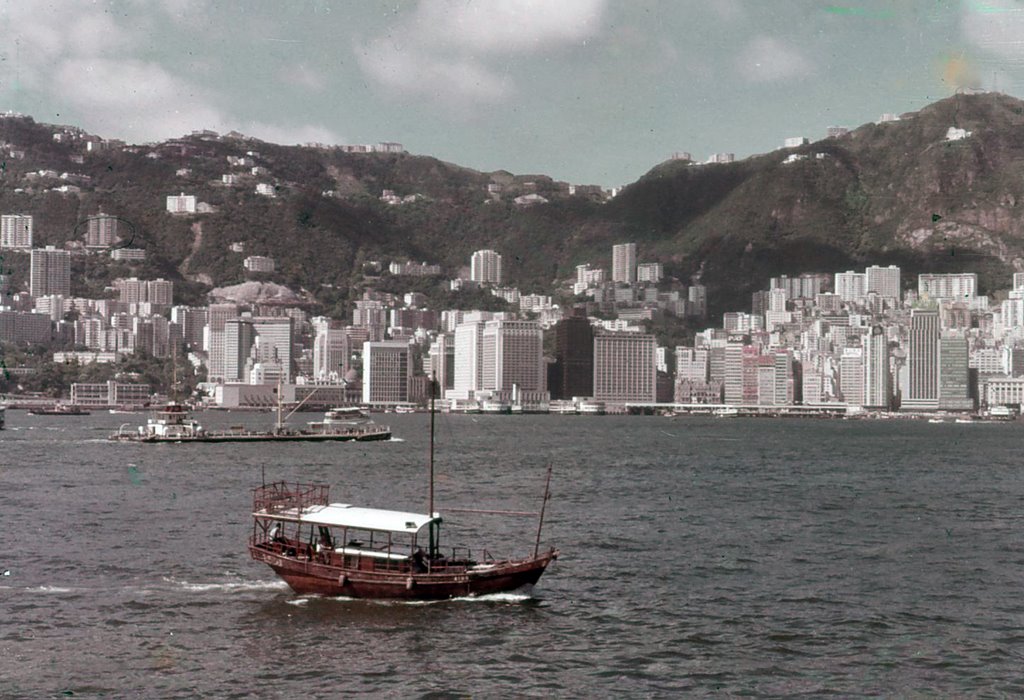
442 362
468 377
110 393
693 364
485 267
512 361
16 231
624 263
954 375
733 369
574 357
331 350
387 371
217 317
50 272
923 361
877 377
624 367
851 376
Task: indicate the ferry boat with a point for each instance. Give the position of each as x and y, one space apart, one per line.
172 423
337 549
495 407
592 408
60 409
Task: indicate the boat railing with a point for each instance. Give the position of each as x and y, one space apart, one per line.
281 496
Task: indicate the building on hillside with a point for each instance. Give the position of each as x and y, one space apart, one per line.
16 232
485 267
50 272
624 263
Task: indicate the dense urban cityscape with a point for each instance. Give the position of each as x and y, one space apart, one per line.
849 341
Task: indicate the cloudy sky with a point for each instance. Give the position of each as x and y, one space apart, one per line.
587 91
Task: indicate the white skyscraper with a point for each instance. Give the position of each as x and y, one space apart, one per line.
16 231
485 267
468 361
851 286
884 281
330 350
624 263
877 378
512 360
387 369
957 286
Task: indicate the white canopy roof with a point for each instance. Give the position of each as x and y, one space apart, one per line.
345 515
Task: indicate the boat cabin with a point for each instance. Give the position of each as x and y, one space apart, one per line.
301 524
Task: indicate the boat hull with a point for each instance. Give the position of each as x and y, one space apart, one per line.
312 578
259 437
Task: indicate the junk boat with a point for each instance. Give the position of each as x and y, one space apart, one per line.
172 423
338 549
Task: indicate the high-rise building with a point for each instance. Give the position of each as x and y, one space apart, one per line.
468 360
217 317
181 204
442 362
851 286
954 375
513 361
574 357
371 315
50 272
733 373
485 267
923 361
851 376
960 286
624 368
132 290
884 281
238 338
692 364
877 378
649 272
331 351
624 263
192 320
101 231
273 340
16 231
387 371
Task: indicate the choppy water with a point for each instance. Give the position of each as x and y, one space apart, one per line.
700 557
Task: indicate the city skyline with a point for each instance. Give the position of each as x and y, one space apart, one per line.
518 77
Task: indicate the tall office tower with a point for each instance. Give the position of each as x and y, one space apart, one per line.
218 315
442 362
50 272
877 378
624 367
468 366
760 302
16 231
851 286
101 231
275 343
851 376
734 373
624 263
387 371
160 291
574 357
716 364
692 364
513 360
954 375
923 361
485 267
331 351
960 286
238 340
783 389
649 272
192 320
371 315
884 281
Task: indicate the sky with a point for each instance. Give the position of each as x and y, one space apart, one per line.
586 91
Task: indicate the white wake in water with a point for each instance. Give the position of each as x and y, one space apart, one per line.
228 585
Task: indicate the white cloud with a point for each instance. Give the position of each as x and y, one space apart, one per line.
452 52
766 59
291 135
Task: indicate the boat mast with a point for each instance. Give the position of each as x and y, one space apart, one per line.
279 421
430 506
543 505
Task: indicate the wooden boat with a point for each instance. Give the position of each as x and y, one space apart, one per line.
337 549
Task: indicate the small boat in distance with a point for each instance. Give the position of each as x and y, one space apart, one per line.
59 409
336 549
3 411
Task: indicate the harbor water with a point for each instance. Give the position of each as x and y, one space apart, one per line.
752 557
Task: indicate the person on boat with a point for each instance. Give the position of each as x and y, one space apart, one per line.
418 565
275 533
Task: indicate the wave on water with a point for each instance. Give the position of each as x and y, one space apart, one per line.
228 585
50 589
394 439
